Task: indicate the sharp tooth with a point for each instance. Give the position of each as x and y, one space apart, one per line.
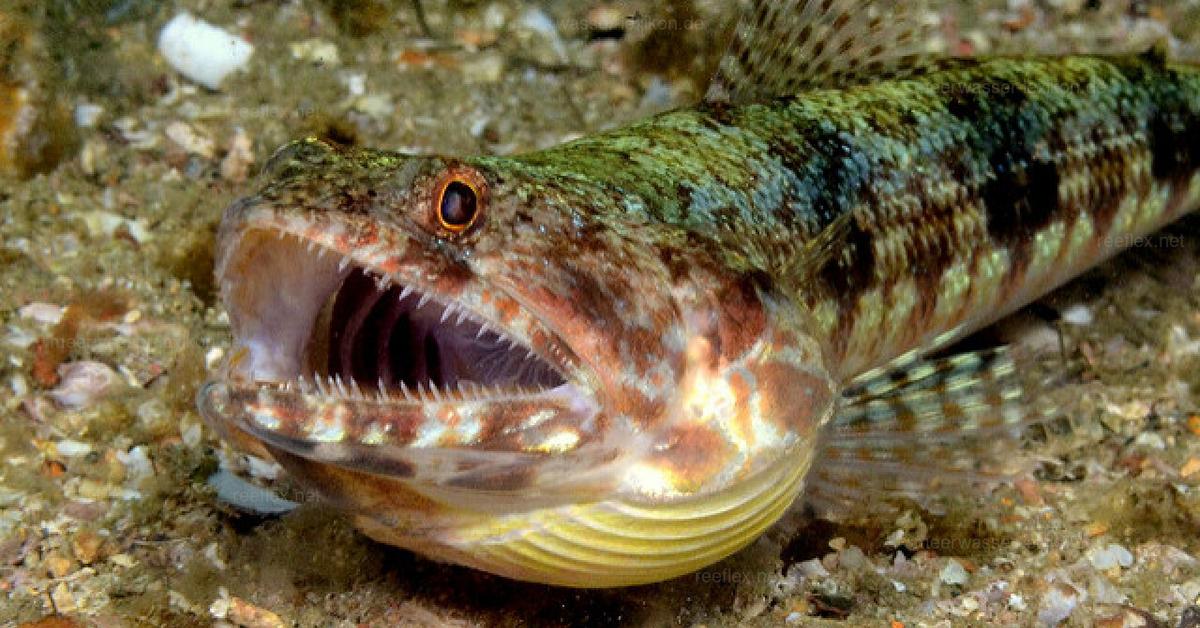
529 354
421 390
318 384
437 393
344 263
320 252
462 315
311 246
405 292
354 386
482 328
404 389
341 386
423 301
446 313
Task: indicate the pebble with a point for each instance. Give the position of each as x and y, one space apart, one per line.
1058 603
101 223
316 51
1108 556
86 546
137 464
82 383
235 166
954 573
539 38
58 566
72 448
484 68
1190 467
87 114
202 52
1150 440
45 313
606 17
186 137
1079 315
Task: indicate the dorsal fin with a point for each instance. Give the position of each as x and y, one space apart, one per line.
785 47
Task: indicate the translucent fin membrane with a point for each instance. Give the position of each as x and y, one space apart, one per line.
785 47
918 430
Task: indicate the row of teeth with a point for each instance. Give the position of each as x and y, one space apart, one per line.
429 391
335 386
383 282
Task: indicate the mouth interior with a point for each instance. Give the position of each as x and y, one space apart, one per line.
384 334
312 318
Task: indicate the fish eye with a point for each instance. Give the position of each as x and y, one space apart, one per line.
458 205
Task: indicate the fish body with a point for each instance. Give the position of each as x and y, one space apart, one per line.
621 359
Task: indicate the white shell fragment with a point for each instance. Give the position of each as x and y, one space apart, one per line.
84 382
200 51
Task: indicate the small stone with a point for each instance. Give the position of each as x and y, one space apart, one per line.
200 51
316 51
83 383
812 568
954 573
86 546
606 17
1079 315
1190 467
122 560
852 558
1127 617
212 359
483 68
87 114
91 489
58 566
1109 556
72 448
1150 440
248 615
538 38
235 166
45 313
186 137
1058 603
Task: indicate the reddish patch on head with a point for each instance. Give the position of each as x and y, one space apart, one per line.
694 453
742 320
795 399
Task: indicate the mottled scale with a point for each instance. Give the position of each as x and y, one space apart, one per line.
968 191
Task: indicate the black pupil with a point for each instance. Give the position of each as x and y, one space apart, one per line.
458 204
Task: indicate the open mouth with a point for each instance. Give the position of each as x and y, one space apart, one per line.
306 315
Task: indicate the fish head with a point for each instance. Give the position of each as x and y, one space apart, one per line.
495 371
